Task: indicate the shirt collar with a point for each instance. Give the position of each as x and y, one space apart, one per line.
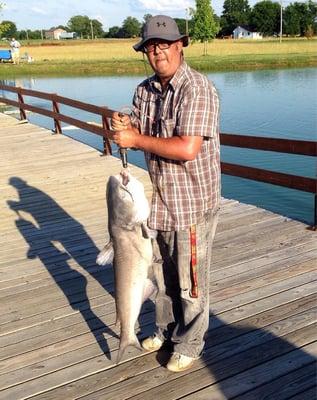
178 77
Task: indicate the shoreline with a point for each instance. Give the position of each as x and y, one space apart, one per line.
209 63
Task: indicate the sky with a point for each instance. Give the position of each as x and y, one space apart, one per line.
35 14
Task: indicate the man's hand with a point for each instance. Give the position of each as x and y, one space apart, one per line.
125 138
119 121
123 134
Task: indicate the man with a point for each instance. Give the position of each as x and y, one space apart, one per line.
15 51
175 122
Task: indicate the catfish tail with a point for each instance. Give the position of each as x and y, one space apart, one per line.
125 343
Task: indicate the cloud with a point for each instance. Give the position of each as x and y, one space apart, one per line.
165 5
38 10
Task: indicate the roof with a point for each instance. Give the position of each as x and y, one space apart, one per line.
56 30
246 27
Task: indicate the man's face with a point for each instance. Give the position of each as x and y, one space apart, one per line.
164 57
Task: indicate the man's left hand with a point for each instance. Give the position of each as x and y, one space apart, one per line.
125 138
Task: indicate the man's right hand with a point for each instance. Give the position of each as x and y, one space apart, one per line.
120 122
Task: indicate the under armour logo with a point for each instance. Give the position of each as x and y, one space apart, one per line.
159 24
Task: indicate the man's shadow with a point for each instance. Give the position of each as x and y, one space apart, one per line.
265 362
55 238
247 362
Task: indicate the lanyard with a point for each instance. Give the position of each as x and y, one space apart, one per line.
193 262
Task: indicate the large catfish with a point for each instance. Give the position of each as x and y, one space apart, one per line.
131 248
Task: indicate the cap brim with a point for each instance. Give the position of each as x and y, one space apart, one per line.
170 38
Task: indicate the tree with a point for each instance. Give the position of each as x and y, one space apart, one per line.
97 28
131 27
113 32
62 27
265 17
181 23
146 17
80 24
8 29
205 27
3 27
235 13
300 18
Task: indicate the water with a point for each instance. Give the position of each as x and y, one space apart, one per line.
277 103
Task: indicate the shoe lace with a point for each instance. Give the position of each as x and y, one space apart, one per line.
177 356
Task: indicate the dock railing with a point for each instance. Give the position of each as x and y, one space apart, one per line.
290 146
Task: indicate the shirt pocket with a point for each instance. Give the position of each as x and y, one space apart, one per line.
168 127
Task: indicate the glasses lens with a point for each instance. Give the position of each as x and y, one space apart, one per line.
150 47
163 46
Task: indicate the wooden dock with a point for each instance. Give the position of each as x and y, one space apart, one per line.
58 337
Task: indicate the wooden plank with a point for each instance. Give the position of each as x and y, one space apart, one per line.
223 334
304 147
309 394
274 178
250 336
226 350
284 387
152 383
256 376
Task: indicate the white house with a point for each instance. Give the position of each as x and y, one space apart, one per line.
54 33
244 32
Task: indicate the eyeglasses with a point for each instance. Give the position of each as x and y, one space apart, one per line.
150 47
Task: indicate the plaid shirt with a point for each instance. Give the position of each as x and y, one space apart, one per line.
182 191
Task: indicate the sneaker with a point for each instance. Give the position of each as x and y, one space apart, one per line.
179 362
152 343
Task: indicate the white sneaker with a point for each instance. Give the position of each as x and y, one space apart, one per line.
179 362
152 343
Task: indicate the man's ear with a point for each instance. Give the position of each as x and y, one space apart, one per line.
179 45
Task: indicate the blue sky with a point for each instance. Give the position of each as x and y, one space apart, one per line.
35 14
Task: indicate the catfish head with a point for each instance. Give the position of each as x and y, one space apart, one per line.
126 201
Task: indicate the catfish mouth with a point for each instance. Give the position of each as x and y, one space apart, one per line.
125 177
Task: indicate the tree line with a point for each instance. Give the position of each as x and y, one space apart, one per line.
298 19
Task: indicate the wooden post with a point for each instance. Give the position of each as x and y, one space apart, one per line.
57 123
313 227
21 101
107 151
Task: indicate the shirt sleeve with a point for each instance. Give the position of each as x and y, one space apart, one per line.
198 114
136 110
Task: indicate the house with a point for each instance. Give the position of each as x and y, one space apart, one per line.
68 35
54 33
245 32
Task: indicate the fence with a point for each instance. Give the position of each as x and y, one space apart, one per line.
302 147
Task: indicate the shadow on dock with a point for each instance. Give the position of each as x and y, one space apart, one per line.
250 363
254 363
55 238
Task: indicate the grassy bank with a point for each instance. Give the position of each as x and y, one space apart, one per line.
109 57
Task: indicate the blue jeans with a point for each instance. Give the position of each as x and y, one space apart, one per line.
179 317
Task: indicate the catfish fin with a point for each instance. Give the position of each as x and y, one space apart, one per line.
106 255
149 288
147 232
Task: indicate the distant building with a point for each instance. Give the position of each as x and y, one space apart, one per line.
244 32
54 33
68 35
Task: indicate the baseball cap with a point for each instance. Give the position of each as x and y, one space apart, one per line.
160 27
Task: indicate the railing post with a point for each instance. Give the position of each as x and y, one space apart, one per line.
57 124
313 227
106 143
21 101
315 213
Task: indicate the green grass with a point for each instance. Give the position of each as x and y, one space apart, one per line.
136 67
116 57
